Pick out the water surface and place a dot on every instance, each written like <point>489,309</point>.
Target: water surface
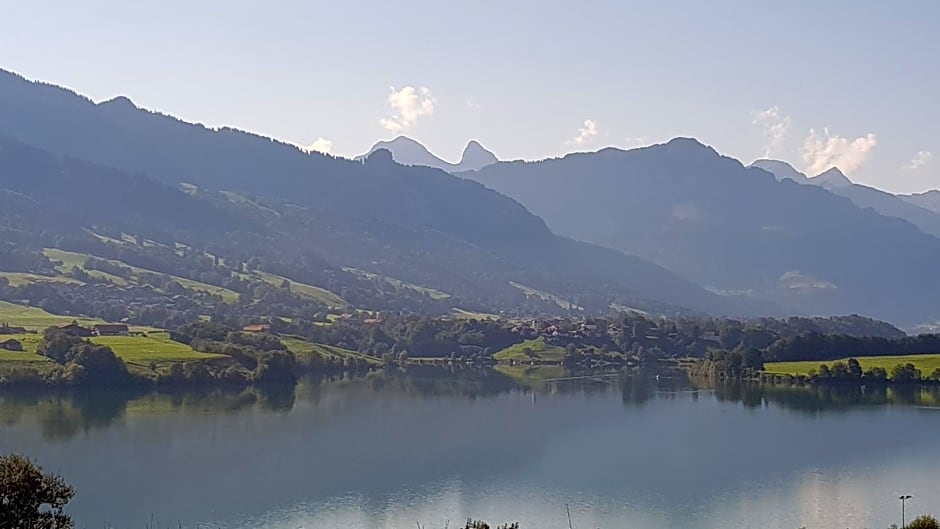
<point>399,449</point>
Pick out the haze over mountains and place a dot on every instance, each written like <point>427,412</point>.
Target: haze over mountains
<point>417,224</point>
<point>902,207</point>
<point>659,223</point>
<point>927,200</point>
<point>734,228</point>
<point>407,151</point>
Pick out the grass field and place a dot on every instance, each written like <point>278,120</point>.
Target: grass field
<point>461,314</point>
<point>546,296</point>
<point>155,347</point>
<point>926,364</point>
<point>18,279</point>
<point>309,291</point>
<point>305,349</point>
<point>21,357</point>
<point>399,284</point>
<point>35,318</point>
<point>540,350</point>
<point>70,259</point>
<point>140,350</point>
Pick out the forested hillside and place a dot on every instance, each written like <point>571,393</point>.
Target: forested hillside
<point>244,199</point>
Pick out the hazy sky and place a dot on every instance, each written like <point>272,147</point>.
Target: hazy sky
<point>817,83</point>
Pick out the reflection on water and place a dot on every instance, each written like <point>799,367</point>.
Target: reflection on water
<point>429,445</point>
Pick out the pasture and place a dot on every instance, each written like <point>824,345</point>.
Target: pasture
<point>538,349</point>
<point>142,350</point>
<point>308,291</point>
<point>304,350</point>
<point>35,318</point>
<point>926,363</point>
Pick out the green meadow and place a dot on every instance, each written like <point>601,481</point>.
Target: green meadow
<point>308,291</point>
<point>35,318</point>
<point>539,349</point>
<point>304,350</point>
<point>926,364</point>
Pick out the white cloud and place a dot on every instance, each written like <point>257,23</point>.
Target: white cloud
<point>585,133</point>
<point>774,129</point>
<point>822,151</point>
<point>407,105</point>
<point>632,142</point>
<point>473,105</point>
<point>920,159</point>
<point>319,145</point>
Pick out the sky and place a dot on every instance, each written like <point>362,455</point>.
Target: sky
<point>847,83</point>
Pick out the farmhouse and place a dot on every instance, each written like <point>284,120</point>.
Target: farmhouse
<point>11,345</point>
<point>110,329</point>
<point>263,327</point>
<point>6,329</point>
<point>75,329</point>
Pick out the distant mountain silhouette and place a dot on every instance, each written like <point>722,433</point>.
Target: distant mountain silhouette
<point>927,200</point>
<point>733,228</point>
<point>407,151</point>
<point>781,170</point>
<point>418,224</point>
<point>863,196</point>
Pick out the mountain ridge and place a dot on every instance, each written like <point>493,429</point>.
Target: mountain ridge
<point>833,180</point>
<point>419,224</point>
<point>732,228</point>
<point>408,151</point>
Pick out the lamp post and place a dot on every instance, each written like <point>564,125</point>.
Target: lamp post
<point>903,498</point>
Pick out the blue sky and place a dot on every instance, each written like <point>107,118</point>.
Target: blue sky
<point>751,78</point>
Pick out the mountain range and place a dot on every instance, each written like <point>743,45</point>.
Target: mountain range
<point>833,180</point>
<point>407,151</point>
<point>739,230</point>
<point>669,229</point>
<point>927,200</point>
<point>284,207</point>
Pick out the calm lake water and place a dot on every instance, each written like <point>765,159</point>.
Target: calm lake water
<point>423,447</point>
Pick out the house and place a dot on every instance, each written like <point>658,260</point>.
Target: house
<point>110,329</point>
<point>74,329</point>
<point>262,327</point>
<point>11,345</point>
<point>372,321</point>
<point>6,329</point>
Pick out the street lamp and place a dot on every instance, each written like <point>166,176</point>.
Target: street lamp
<point>903,498</point>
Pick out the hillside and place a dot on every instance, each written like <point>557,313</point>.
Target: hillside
<point>251,201</point>
<point>734,229</point>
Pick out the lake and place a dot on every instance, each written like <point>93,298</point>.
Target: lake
<point>427,447</point>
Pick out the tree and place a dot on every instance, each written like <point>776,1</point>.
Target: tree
<point>854,369</point>
<point>31,498</point>
<point>276,367</point>
<point>57,345</point>
<point>924,522</point>
<point>905,373</point>
<point>839,370</point>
